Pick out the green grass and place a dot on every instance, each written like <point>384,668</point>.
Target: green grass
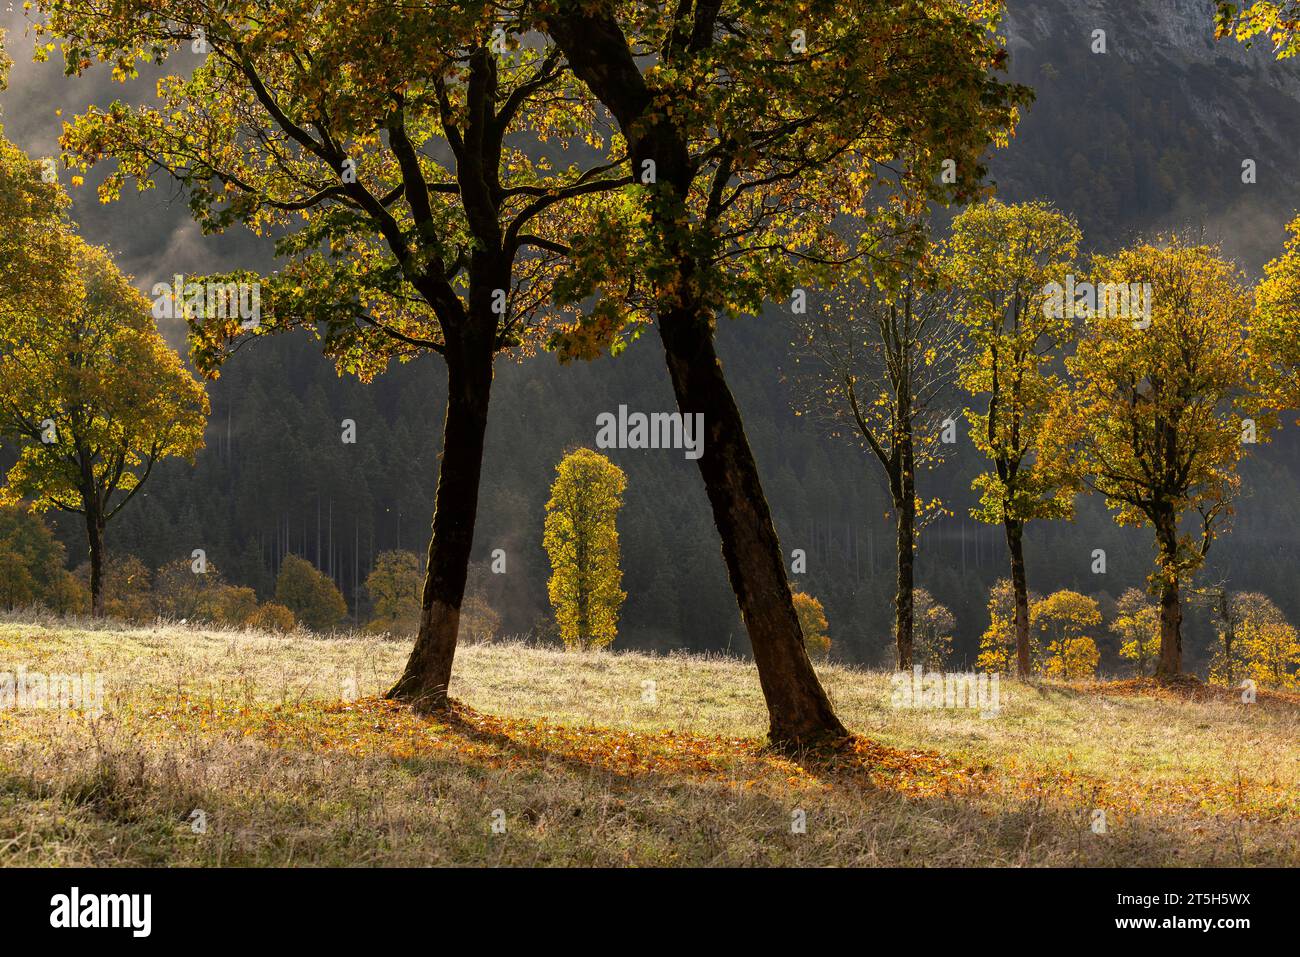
<point>254,731</point>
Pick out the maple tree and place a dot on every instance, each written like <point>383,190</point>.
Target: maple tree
<point>581,539</point>
<point>751,127</point>
<point>1256,642</point>
<point>935,624</point>
<point>873,363</point>
<point>1063,621</point>
<point>394,589</point>
<point>181,592</point>
<point>32,211</point>
<point>1003,259</point>
<point>89,390</point>
<point>310,594</point>
<point>1157,409</point>
<point>1278,20</point>
<point>1137,623</point>
<point>813,624</point>
<point>1274,345</point>
<point>999,643</point>
<point>1272,652</point>
<point>31,559</point>
<point>422,169</point>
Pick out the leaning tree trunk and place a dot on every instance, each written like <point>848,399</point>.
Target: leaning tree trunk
<point>469,387</point>
<point>95,539</point>
<point>599,53</point>
<point>1016,547</point>
<point>799,711</point>
<point>1171,611</point>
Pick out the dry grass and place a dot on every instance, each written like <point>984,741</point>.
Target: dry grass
<point>285,746</point>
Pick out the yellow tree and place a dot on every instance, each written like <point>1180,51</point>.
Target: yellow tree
<point>813,623</point>
<point>1229,662</point>
<point>1006,261</point>
<point>1062,622</point>
<point>581,538</point>
<point>998,645</point>
<point>1274,344</point>
<point>1137,623</point>
<point>1159,407</point>
<point>423,168</point>
<point>180,591</point>
<point>90,391</point>
<point>1272,651</point>
<point>32,212</point>
<point>1266,647</point>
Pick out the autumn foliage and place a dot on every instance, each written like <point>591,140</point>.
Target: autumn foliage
<point>581,538</point>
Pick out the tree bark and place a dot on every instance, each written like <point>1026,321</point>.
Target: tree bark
<point>1016,547</point>
<point>904,607</point>
<point>1229,635</point>
<point>1171,612</point>
<point>799,711</point>
<point>95,539</point>
<point>428,670</point>
<point>1171,636</point>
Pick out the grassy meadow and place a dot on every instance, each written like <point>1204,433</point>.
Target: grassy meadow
<point>241,748</point>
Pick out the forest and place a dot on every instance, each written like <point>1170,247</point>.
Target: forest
<point>822,341</point>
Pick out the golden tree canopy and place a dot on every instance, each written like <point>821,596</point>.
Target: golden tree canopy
<point>90,390</point>
<point>581,538</point>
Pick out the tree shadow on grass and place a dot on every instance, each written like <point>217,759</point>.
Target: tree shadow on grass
<point>867,803</point>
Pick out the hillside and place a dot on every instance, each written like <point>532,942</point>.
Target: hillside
<point>1148,136</point>
<point>606,759</point>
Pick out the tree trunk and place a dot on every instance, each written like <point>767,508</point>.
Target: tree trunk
<point>598,52</point>
<point>469,387</point>
<point>95,539</point>
<point>799,711</point>
<point>1229,636</point>
<point>1171,636</point>
<point>904,609</point>
<point>1016,547</point>
<point>1171,612</point>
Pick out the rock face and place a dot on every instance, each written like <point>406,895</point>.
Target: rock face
<point>1152,134</point>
